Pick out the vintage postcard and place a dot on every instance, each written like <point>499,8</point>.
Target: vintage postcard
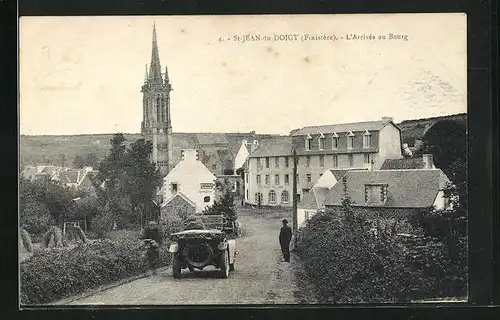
<point>260,159</point>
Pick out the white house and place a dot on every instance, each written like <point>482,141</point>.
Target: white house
<point>244,152</point>
<point>313,201</point>
<point>192,179</point>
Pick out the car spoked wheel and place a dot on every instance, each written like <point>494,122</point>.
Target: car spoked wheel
<point>224,264</point>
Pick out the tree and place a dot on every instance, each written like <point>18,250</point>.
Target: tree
<point>78,162</point>
<point>112,171</point>
<point>142,177</point>
<point>223,206</point>
<point>34,215</point>
<point>130,179</point>
<point>91,159</point>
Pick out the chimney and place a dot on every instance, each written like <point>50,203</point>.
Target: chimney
<point>387,119</point>
<point>189,155</point>
<point>428,161</point>
<point>255,145</point>
<point>407,150</point>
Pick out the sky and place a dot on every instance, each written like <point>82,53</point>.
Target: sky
<point>83,75</point>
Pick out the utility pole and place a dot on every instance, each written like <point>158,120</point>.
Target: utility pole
<point>295,198</point>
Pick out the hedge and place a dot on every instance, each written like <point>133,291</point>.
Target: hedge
<point>349,264</point>
<point>51,275</point>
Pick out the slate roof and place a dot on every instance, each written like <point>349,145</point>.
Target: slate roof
<point>181,195</point>
<point>406,188</point>
<point>342,128</point>
<point>313,199</point>
<point>273,147</point>
<point>308,201</point>
<point>209,143</point>
<point>339,173</point>
<point>409,163</point>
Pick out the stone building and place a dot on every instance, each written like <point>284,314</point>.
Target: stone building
<point>156,125</point>
<point>360,145</point>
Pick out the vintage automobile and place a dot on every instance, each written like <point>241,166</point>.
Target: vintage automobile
<point>199,248</point>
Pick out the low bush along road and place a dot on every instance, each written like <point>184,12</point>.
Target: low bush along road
<point>260,276</point>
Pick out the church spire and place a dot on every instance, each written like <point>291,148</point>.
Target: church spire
<point>166,75</point>
<point>146,74</point>
<point>155,68</point>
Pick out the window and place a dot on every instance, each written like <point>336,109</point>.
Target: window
<point>335,161</point>
<point>375,193</point>
<point>246,178</point>
<point>258,179</point>
<point>174,187</point>
<point>308,176</point>
<point>351,160</point>
<point>276,179</point>
<point>258,197</point>
<point>267,179</point>
<point>366,139</point>
<point>297,178</point>
<point>247,194</point>
<point>267,162</point>
<point>258,163</point>
<point>308,161</point>
<point>272,196</point>
<point>285,197</point>
<point>350,140</point>
<point>321,161</point>
<point>206,199</point>
<point>286,162</point>
<point>335,141</point>
<point>367,158</point>
<point>306,215</point>
<point>214,166</point>
<point>287,179</point>
<point>321,142</point>
<point>158,109</point>
<point>308,142</point>
<point>277,162</point>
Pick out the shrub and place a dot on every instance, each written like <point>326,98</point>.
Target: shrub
<point>54,274</point>
<point>348,264</point>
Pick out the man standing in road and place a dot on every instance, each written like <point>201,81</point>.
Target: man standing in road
<point>285,238</point>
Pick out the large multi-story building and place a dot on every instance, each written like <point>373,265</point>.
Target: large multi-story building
<point>361,145</point>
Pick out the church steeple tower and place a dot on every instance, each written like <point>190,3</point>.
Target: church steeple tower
<point>156,125</point>
<point>155,66</point>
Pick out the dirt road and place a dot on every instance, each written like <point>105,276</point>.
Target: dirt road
<point>260,277</point>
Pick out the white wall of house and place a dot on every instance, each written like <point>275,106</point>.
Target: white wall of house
<point>241,156</point>
<point>191,178</point>
<point>441,202</point>
<point>282,189</point>
<point>389,145</point>
<point>303,215</point>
